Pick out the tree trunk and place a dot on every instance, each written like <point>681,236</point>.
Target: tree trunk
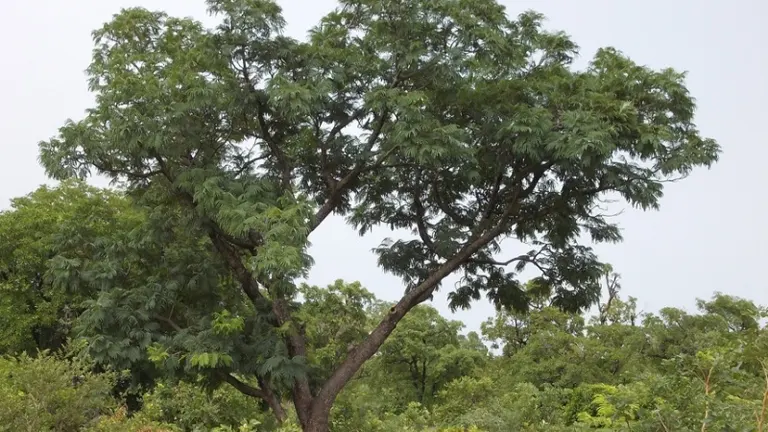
<point>275,405</point>
<point>320,409</point>
<point>264,393</point>
<point>317,423</point>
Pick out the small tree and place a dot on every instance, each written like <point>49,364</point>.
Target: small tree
<point>444,117</point>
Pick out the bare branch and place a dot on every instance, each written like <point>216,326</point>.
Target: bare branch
<point>247,164</point>
<point>242,387</point>
<point>168,321</point>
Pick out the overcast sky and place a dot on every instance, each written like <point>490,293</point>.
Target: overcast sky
<point>710,234</point>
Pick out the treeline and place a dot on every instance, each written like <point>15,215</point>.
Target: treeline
<point>84,353</point>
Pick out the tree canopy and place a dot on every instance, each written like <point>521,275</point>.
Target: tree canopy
<point>446,118</point>
<point>670,371</point>
<point>42,234</point>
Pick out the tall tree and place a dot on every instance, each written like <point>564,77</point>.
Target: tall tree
<point>445,117</point>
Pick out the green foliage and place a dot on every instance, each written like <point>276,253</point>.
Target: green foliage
<point>446,118</point>
<point>709,379</point>
<point>51,393</point>
<point>189,407</point>
<point>426,351</point>
<point>225,324</point>
<point>523,145</point>
<point>120,422</point>
<point>44,233</point>
<point>334,319</point>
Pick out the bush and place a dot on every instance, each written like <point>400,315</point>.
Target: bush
<point>119,422</point>
<point>51,393</point>
<point>192,408</point>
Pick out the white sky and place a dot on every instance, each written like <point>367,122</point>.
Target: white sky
<point>710,234</point>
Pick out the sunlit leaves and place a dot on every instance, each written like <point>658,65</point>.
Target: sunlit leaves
<point>224,323</point>
<point>210,360</point>
<point>156,353</point>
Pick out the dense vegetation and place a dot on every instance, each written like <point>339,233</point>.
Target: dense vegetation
<point>174,300</point>
<point>73,357</point>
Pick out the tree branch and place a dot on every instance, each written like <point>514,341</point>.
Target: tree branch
<point>235,263</point>
<point>302,394</point>
<point>341,186</point>
<point>525,257</point>
<point>325,168</point>
<point>130,174</point>
<point>421,224</point>
<point>445,208</point>
<point>264,393</point>
<point>338,127</point>
<point>168,321</point>
<point>247,164</point>
<point>243,387</point>
<point>274,147</point>
<point>363,351</point>
<point>493,199</point>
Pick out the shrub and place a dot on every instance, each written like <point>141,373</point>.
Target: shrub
<point>51,393</point>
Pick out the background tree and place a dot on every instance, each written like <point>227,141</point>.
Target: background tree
<point>675,370</point>
<point>427,351</point>
<point>511,329</point>
<point>46,230</point>
<point>480,131</point>
<point>335,319</point>
<point>38,394</point>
